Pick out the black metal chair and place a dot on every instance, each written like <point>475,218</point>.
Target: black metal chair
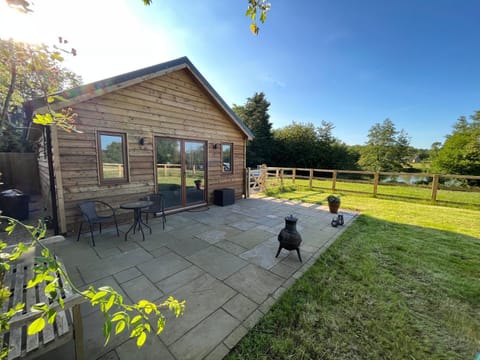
<point>158,207</point>
<point>90,215</point>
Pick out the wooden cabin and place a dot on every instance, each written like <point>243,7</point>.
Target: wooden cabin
<point>158,129</point>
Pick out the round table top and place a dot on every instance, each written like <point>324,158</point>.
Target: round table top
<point>137,204</point>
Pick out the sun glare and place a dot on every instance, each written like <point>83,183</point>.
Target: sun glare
<point>110,36</point>
<point>30,27</point>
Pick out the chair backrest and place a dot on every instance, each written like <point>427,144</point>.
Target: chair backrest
<point>157,200</point>
<point>88,209</point>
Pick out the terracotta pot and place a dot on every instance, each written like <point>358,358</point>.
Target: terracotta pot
<point>333,207</point>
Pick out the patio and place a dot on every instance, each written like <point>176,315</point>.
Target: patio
<point>221,260</point>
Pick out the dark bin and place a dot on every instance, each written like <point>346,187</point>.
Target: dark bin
<point>14,203</point>
<point>223,197</point>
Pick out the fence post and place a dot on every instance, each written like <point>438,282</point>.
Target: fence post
<point>376,178</point>
<point>281,177</point>
<point>435,187</point>
<point>247,183</point>
<point>263,178</point>
<point>294,171</point>
<point>310,178</point>
<point>334,180</point>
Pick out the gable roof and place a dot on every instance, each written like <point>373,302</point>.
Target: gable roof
<point>101,87</point>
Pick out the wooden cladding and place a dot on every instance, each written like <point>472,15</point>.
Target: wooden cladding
<point>171,106</point>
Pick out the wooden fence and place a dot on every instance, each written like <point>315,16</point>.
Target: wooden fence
<point>337,180</point>
<point>19,171</point>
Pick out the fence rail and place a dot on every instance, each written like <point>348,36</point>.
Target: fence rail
<point>424,186</point>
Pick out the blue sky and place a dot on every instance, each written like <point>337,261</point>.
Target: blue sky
<point>353,63</point>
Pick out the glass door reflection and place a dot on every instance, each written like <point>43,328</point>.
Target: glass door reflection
<point>169,171</point>
<point>194,172</point>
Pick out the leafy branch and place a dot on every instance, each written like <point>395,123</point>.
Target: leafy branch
<point>254,7</point>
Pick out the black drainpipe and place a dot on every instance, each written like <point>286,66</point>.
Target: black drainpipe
<point>51,177</point>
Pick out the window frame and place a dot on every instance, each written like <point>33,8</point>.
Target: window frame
<point>102,179</point>
<point>231,158</point>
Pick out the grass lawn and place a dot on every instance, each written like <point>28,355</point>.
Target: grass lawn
<point>423,194</point>
<point>402,282</point>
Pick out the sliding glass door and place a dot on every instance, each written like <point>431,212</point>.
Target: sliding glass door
<point>194,172</point>
<point>180,170</point>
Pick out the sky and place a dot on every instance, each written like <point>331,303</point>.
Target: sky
<point>349,62</point>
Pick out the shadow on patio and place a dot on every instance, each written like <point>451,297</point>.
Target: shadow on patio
<point>221,260</point>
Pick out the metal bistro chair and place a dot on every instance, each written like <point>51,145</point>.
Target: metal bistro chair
<point>157,207</point>
<point>89,214</point>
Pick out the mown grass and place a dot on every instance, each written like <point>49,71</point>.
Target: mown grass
<point>423,194</point>
<point>402,282</point>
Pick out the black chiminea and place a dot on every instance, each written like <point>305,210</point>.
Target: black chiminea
<point>289,237</point>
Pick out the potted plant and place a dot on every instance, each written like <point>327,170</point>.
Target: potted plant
<point>333,203</point>
<point>198,183</point>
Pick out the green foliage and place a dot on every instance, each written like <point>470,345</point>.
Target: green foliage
<point>64,119</point>
<point>255,7</point>
<point>332,199</point>
<point>306,146</point>
<point>134,317</point>
<point>255,115</point>
<point>113,153</point>
<point>28,72</point>
<point>386,150</point>
<point>460,154</point>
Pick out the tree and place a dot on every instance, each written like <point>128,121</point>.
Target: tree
<point>113,153</point>
<point>297,145</point>
<point>386,149</point>
<point>255,115</point>
<point>27,72</point>
<point>460,154</point>
<point>257,9</point>
<point>307,146</point>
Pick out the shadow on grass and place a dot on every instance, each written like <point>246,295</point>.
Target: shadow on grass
<point>383,290</point>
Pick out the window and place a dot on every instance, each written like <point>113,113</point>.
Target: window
<point>227,157</point>
<point>112,157</point>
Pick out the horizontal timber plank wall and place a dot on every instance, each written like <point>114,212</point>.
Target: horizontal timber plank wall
<point>173,105</point>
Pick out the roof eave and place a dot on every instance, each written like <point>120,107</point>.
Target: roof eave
<point>92,90</point>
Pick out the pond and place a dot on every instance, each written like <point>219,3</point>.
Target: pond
<point>407,179</point>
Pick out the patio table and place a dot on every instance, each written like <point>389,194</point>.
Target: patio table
<point>137,207</point>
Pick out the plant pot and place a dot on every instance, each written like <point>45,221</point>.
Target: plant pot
<point>333,207</point>
<point>198,183</point>
<point>333,203</point>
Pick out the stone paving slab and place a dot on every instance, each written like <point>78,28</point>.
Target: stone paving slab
<point>217,262</point>
<point>204,337</point>
<point>255,282</point>
<point>163,266</point>
<point>203,296</point>
<point>221,260</point>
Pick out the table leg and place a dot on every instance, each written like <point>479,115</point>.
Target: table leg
<point>131,227</point>
<point>140,222</point>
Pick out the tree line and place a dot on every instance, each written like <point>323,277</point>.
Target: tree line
<point>304,145</point>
